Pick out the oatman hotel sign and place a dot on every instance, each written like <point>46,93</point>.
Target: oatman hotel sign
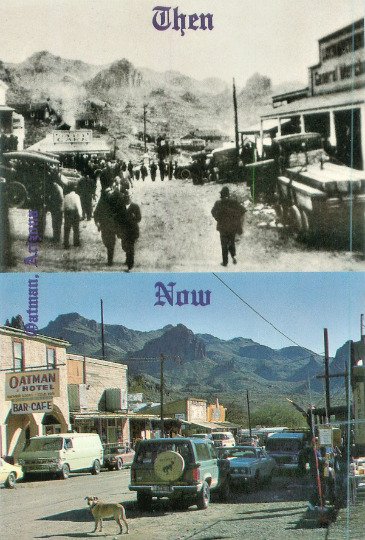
<point>32,392</point>
<point>341,61</point>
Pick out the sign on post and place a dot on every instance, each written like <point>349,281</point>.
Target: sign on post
<point>325,436</point>
<point>32,385</point>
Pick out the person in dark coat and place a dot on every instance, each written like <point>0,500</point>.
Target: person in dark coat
<point>144,172</point>
<point>228,214</point>
<point>130,229</point>
<point>55,206</point>
<point>86,189</point>
<point>130,169</point>
<point>153,170</point>
<point>72,214</point>
<point>162,167</point>
<point>109,217</point>
<point>170,169</point>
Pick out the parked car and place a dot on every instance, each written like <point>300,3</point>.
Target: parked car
<point>248,466</point>
<point>316,196</point>
<point>116,457</point>
<point>287,449</point>
<point>62,453</point>
<point>223,438</point>
<point>202,436</point>
<point>185,470</point>
<point>9,474</point>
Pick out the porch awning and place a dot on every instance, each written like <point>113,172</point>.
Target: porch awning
<point>323,102</point>
<point>109,415</point>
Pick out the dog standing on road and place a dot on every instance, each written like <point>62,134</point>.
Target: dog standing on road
<point>101,510</point>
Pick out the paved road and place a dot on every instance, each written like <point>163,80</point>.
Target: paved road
<point>56,509</point>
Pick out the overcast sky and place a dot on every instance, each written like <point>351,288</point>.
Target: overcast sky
<point>277,38</point>
<point>301,305</point>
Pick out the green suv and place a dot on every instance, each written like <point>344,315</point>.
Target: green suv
<point>182,469</point>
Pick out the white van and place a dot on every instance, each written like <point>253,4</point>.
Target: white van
<point>62,453</point>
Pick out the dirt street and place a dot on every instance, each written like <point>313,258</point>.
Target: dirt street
<point>179,234</point>
<point>57,509</point>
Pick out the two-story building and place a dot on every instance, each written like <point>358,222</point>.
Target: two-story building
<point>333,102</point>
<point>44,390</point>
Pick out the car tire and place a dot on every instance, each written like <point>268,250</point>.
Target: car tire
<point>257,480</point>
<point>144,501</point>
<point>185,174</point>
<point>96,467</point>
<point>65,472</point>
<point>269,478</point>
<point>203,497</point>
<point>17,194</point>
<point>119,464</point>
<point>11,481</point>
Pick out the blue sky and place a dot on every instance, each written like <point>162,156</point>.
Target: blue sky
<point>299,304</point>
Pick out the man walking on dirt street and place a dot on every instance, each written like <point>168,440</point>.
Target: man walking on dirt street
<point>144,172</point>
<point>130,229</point>
<point>228,214</point>
<point>72,215</point>
<point>109,217</point>
<point>86,189</point>
<point>153,170</point>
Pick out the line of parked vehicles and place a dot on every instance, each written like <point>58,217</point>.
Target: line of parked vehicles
<point>186,470</point>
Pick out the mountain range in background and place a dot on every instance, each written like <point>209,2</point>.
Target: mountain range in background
<point>176,103</point>
<point>200,364</point>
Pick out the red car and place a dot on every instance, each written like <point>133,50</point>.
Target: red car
<point>116,457</point>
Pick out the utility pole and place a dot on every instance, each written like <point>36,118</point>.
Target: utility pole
<point>162,358</point>
<point>162,423</point>
<point>144,126</point>
<point>102,330</point>
<point>248,413</point>
<point>327,375</point>
<point>235,118</point>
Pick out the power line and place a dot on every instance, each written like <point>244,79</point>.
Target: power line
<point>261,316</point>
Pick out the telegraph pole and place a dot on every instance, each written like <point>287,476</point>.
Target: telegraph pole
<point>327,375</point>
<point>162,358</point>
<point>102,330</point>
<point>144,126</point>
<point>248,413</point>
<point>235,117</point>
<point>162,424</point>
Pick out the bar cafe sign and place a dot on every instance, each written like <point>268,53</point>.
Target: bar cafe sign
<point>41,385</point>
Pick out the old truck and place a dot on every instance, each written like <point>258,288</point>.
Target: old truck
<point>314,196</point>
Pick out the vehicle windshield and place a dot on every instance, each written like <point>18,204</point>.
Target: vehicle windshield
<point>44,444</point>
<point>220,436</point>
<point>241,453</point>
<point>283,445</point>
<point>147,453</point>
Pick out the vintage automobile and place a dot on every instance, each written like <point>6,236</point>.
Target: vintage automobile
<point>116,457</point>
<point>315,197</point>
<point>181,469</point>
<point>29,177</point>
<point>248,466</point>
<point>9,474</point>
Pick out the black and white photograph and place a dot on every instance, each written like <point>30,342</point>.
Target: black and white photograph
<point>141,138</point>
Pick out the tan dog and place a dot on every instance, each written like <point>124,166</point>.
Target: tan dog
<point>101,510</point>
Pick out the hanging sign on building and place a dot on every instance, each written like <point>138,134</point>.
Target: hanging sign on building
<point>31,407</point>
<point>32,385</point>
<point>66,136</point>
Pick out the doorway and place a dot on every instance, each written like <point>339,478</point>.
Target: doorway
<point>348,135</point>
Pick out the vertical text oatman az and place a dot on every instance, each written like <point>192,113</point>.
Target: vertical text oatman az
<point>31,327</point>
<point>165,17</point>
<point>168,294</point>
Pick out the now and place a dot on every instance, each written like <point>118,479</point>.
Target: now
<point>180,298</point>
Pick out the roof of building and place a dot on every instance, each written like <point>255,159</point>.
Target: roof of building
<point>357,25</point>
<point>16,332</point>
<point>270,125</point>
<point>321,102</point>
